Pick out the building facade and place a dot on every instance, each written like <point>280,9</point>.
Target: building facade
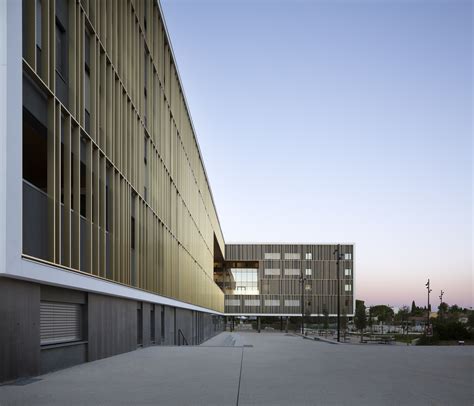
<point>109,236</point>
<point>287,279</point>
<point>109,231</point>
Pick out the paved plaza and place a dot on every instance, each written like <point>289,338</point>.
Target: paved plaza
<point>260,369</point>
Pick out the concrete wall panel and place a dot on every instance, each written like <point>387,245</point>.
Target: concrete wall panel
<point>19,329</point>
<point>112,326</point>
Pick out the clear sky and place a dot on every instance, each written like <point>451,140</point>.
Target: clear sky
<point>340,121</point>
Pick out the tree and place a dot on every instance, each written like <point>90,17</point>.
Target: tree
<point>443,310</point>
<point>417,311</point>
<point>325,320</point>
<point>454,309</point>
<point>402,317</point>
<point>383,313</point>
<point>470,319</point>
<point>370,322</point>
<point>360,319</point>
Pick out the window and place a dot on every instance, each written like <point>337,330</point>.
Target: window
<point>132,232</point>
<point>35,173</point>
<point>348,272</point>
<point>245,281</point>
<point>348,256</point>
<point>145,82</point>
<point>145,160</point>
<point>292,255</point>
<point>292,303</point>
<point>272,302</point>
<point>348,288</point>
<point>309,272</point>
<point>39,37</point>
<point>272,271</point>
<point>87,80</point>
<point>309,256</point>
<point>61,50</point>
<point>232,302</point>
<point>292,272</point>
<point>272,255</point>
<point>60,322</point>
<point>252,302</point>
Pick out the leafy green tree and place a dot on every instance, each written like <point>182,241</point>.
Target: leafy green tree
<point>417,311</point>
<point>360,319</point>
<point>370,320</point>
<point>455,309</point>
<point>443,310</point>
<point>402,317</point>
<point>383,313</point>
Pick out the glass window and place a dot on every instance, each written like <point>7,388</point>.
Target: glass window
<point>292,303</point>
<point>272,255</point>
<point>87,92</point>
<point>292,255</point>
<point>39,25</point>
<point>348,288</point>
<point>292,272</point>
<point>39,38</point>
<point>272,302</point>
<point>61,51</point>
<point>348,256</point>
<point>348,272</point>
<point>272,271</point>
<point>245,281</point>
<point>309,255</point>
<point>309,272</point>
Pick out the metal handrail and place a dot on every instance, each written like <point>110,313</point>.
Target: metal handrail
<point>180,334</point>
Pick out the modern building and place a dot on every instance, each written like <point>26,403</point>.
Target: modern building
<point>109,231</point>
<point>287,279</point>
<point>109,236</point>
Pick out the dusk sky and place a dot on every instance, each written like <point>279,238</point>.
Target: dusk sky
<point>339,121</point>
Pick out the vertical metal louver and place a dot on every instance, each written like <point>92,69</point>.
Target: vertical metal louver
<point>60,322</point>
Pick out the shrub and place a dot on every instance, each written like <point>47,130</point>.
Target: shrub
<point>427,340</point>
<point>451,330</point>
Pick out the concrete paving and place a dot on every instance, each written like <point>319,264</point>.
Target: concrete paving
<point>261,369</point>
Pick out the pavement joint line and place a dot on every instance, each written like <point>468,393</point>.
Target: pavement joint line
<point>240,376</point>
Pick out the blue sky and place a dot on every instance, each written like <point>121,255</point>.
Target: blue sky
<point>339,121</point>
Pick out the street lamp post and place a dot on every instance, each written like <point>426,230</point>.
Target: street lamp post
<point>339,256</point>
<point>303,282</point>
<point>428,310</point>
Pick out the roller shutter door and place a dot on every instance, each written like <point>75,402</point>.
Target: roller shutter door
<point>60,322</point>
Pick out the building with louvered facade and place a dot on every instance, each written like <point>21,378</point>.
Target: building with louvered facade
<point>109,235</point>
<point>287,279</point>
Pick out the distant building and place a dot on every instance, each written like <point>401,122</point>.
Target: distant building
<point>267,279</point>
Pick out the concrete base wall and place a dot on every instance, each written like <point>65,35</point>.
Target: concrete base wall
<point>111,326</point>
